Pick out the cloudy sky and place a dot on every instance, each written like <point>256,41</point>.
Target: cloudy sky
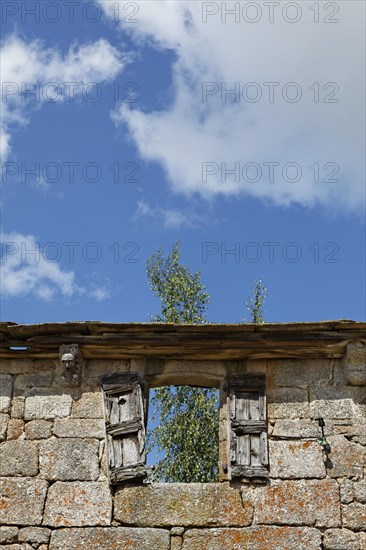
<point>237,127</point>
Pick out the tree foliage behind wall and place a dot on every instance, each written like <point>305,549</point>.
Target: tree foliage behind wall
<point>188,426</point>
<point>182,294</point>
<point>255,303</point>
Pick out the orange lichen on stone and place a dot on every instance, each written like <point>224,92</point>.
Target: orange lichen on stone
<point>183,504</point>
<point>308,503</point>
<point>252,538</point>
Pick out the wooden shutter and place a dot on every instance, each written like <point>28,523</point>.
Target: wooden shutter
<point>248,427</point>
<point>125,406</point>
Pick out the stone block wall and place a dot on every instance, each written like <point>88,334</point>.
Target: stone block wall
<point>54,482</point>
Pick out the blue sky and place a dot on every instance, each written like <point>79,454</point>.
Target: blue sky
<point>151,147</point>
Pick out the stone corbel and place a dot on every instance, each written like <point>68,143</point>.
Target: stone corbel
<point>71,362</point>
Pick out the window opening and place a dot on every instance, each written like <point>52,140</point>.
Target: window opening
<point>183,434</point>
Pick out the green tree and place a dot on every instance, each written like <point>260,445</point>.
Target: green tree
<point>183,297</point>
<point>187,431</point>
<point>255,304</point>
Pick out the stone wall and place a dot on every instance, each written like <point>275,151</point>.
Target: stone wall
<point>55,490</point>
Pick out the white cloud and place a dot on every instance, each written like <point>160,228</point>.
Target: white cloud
<point>175,219</point>
<point>168,218</point>
<point>143,209</point>
<point>192,132</point>
<point>27,66</point>
<point>26,271</point>
<point>100,293</point>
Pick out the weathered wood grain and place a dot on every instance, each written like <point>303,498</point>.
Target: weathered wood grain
<point>248,430</point>
<point>98,340</point>
<point>125,418</point>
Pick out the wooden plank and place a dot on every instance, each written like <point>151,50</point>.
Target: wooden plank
<point>142,411</point>
<point>255,450</point>
<point>110,453</point>
<point>186,352</point>
<point>241,406</point>
<point>232,405</point>
<point>194,333</point>
<point>106,406</point>
<point>243,450</point>
<point>141,438</point>
<point>254,407</point>
<point>136,408</point>
<point>117,388</point>
<point>126,407</point>
<point>233,448</point>
<point>130,451</point>
<point>264,448</point>
<point>127,474</point>
<point>113,410</point>
<point>243,472</point>
<point>262,403</point>
<point>124,428</point>
<point>100,327</point>
<point>116,340</point>
<point>117,445</point>
<point>248,426</point>
<point>223,351</point>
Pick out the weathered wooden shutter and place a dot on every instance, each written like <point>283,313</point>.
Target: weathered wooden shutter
<point>125,406</point>
<point>248,427</point>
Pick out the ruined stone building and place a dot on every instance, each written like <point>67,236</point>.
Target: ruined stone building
<point>292,464</point>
